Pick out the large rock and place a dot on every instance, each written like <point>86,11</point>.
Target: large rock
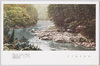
<point>41,35</point>
<point>67,39</point>
<point>74,39</point>
<point>47,34</point>
<point>58,39</point>
<point>32,30</point>
<point>45,38</point>
<point>67,34</point>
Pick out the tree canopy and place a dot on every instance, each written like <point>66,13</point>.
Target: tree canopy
<point>70,16</point>
<point>20,15</point>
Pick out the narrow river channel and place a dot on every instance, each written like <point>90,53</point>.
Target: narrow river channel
<point>45,45</point>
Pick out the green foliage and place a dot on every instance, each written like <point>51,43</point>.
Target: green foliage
<point>6,24</point>
<point>70,16</point>
<point>18,15</point>
<point>90,30</point>
<point>32,12</point>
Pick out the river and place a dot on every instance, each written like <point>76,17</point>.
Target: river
<point>45,45</point>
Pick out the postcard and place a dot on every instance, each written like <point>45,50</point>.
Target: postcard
<point>50,33</point>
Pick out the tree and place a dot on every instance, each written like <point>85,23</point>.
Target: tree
<point>21,15</point>
<point>70,16</point>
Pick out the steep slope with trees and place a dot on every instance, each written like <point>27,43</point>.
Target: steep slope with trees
<point>70,16</point>
<point>18,15</point>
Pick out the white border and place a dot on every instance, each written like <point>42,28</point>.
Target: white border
<point>52,57</point>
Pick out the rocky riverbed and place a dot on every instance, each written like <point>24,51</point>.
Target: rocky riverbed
<point>65,37</point>
<point>46,37</point>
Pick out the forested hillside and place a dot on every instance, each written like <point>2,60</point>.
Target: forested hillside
<point>73,16</point>
<point>18,16</point>
<point>49,27</point>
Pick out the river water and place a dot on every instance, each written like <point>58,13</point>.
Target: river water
<point>45,45</point>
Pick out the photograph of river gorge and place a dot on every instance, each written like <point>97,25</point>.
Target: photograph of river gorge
<point>49,27</point>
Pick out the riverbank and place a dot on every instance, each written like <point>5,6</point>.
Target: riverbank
<point>64,37</point>
<point>19,27</point>
<point>22,47</point>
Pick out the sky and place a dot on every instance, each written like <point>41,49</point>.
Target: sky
<point>42,10</point>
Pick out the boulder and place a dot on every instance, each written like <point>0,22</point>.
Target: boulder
<point>41,35</point>
<point>32,30</point>
<point>45,38</point>
<point>59,40</point>
<point>66,38</point>
<point>87,45</point>
<point>47,34</point>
